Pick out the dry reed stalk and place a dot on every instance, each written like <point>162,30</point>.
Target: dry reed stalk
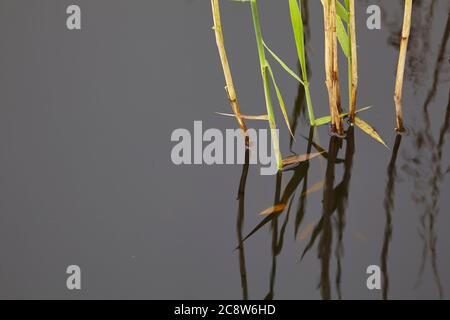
<point>232,97</point>
<point>354,66</point>
<point>331,65</point>
<point>401,65</point>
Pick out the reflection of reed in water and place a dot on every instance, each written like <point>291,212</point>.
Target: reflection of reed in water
<point>389,207</point>
<point>240,225</point>
<point>420,38</point>
<point>437,72</point>
<point>342,194</point>
<point>421,28</point>
<point>275,240</point>
<point>283,200</point>
<point>335,199</point>
<point>428,180</point>
<point>325,243</point>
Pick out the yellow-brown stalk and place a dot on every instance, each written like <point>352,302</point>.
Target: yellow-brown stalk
<point>401,65</point>
<point>331,65</point>
<point>354,59</point>
<point>232,97</point>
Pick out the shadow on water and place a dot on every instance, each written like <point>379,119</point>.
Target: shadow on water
<point>389,207</point>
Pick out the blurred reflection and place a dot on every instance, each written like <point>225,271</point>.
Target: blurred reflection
<point>389,196</point>
<point>283,201</point>
<point>341,195</point>
<point>335,199</point>
<point>276,242</point>
<point>240,225</point>
<point>428,178</point>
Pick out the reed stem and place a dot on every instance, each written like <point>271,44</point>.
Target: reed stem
<point>401,65</point>
<point>354,61</point>
<point>264,66</point>
<point>331,66</point>
<point>231,92</point>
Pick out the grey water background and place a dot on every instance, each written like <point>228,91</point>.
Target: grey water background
<point>86,175</point>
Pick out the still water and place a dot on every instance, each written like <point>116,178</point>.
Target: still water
<point>87,178</point>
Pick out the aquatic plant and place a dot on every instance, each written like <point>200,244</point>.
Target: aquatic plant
<point>335,15</point>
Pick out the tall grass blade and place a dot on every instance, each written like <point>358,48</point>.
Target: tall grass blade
<point>298,29</point>
<point>342,12</point>
<point>343,37</point>
<point>266,86</point>
<point>280,101</point>
<point>283,65</point>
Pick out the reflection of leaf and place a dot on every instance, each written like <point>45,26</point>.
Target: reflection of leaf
<point>301,158</point>
<point>275,209</point>
<point>314,236</point>
<point>306,232</point>
<point>259,226</point>
<point>283,227</point>
<point>316,187</point>
<point>367,128</point>
<point>327,119</point>
<point>262,117</point>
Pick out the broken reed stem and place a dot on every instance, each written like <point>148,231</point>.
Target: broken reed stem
<point>354,61</point>
<point>331,66</point>
<point>401,65</point>
<point>231,92</point>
